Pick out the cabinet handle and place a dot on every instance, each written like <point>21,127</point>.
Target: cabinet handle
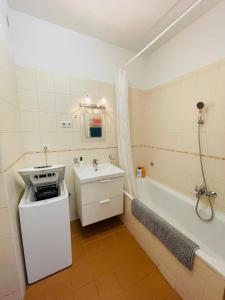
<point>104,201</point>
<point>104,180</point>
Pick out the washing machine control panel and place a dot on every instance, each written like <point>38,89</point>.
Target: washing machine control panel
<point>44,178</point>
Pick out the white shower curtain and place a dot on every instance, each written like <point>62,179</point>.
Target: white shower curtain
<point>123,132</point>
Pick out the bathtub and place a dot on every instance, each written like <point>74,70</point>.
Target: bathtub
<point>179,211</point>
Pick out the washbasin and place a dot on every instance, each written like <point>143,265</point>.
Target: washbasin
<point>105,170</point>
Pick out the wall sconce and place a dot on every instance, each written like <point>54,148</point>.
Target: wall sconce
<point>87,104</point>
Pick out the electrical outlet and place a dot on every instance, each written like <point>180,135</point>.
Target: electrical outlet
<point>66,124</point>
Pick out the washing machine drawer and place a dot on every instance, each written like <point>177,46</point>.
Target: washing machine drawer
<point>101,210</point>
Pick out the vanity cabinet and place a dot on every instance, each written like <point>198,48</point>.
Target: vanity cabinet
<point>99,194</point>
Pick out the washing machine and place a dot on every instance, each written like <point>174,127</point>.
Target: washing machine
<point>45,221</point>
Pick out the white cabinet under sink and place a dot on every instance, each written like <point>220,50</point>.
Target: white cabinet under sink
<point>99,194</point>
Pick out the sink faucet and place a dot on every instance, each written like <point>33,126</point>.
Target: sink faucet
<point>95,164</point>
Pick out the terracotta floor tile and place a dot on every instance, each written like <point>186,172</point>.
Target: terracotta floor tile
<point>109,241</point>
<point>60,292</point>
<point>116,224</point>
<point>108,286</point>
<point>62,277</point>
<point>103,228</point>
<point>81,275</point>
<point>108,264</point>
<point>152,287</point>
<point>173,296</point>
<point>129,274</point>
<point>78,253</point>
<point>93,248</point>
<point>36,291</point>
<point>88,292</point>
<point>89,233</point>
<point>99,265</point>
<point>76,227</point>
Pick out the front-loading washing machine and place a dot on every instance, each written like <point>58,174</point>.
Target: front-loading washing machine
<point>45,221</point>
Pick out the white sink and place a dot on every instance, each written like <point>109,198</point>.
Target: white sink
<point>104,171</point>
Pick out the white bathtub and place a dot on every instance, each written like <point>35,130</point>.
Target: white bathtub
<point>179,210</point>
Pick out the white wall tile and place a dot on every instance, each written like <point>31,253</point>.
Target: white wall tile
<point>64,140</point>
<point>13,296</point>
<point>63,103</point>
<point>30,121</point>
<point>50,138</point>
<point>26,78</point>
<point>28,100</point>
<point>45,81</point>
<point>8,274</point>
<point>47,121</point>
<point>32,141</point>
<point>46,102</point>
<point>77,86</point>
<point>5,231</point>
<point>61,83</point>
<point>2,192</point>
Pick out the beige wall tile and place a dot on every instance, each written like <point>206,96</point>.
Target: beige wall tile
<point>32,141</point>
<point>2,192</point>
<point>64,140</point>
<point>9,117</point>
<point>30,121</point>
<point>48,121</point>
<point>61,83</point>
<point>63,103</point>
<point>214,287</point>
<point>46,102</point>
<point>28,100</point>
<point>49,138</point>
<point>77,86</point>
<point>5,231</point>
<point>45,81</point>
<point>8,274</point>
<point>26,78</point>
<point>9,152</point>
<point>12,296</point>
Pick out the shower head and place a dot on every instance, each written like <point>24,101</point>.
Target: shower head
<point>200,105</point>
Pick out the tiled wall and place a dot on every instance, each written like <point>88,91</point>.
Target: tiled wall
<point>12,279</point>
<point>46,99</point>
<point>168,131</point>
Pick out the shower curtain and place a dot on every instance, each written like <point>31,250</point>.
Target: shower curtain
<point>123,132</point>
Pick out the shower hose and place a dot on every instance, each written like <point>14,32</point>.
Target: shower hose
<point>204,180</point>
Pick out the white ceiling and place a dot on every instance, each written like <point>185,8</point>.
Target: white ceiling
<point>129,24</point>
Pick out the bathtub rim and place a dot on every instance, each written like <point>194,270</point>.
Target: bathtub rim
<point>218,266</point>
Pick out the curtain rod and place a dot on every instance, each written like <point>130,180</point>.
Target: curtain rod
<point>178,19</point>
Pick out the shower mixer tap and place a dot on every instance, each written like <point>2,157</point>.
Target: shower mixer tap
<point>200,190</point>
<point>211,194</point>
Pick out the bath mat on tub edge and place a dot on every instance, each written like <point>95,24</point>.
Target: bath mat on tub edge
<point>180,245</point>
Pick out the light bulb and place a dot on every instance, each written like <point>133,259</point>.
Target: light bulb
<point>103,101</point>
<point>87,99</point>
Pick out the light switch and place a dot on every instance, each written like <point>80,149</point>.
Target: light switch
<point>66,124</point>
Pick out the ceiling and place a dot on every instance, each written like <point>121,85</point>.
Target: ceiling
<point>129,24</point>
